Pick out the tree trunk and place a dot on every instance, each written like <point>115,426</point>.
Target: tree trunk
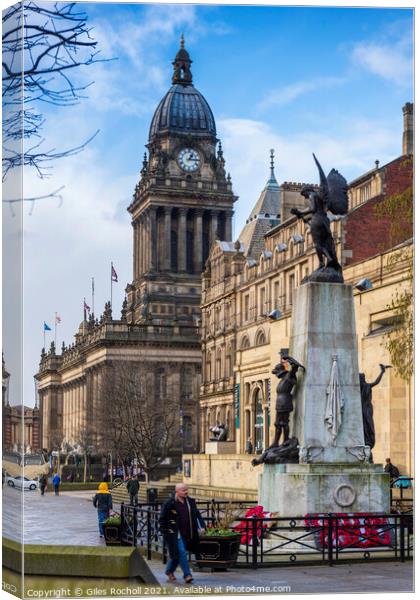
<point>85,469</point>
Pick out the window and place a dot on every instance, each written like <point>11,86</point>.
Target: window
<point>291,287</point>
<point>276,294</point>
<point>245,342</point>
<point>161,383</point>
<point>218,365</point>
<point>187,431</point>
<point>246,308</point>
<point>229,361</point>
<point>260,338</point>
<point>262,301</point>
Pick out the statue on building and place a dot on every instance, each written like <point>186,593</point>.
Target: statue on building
<point>330,196</point>
<point>367,406</point>
<point>286,371</point>
<point>220,432</point>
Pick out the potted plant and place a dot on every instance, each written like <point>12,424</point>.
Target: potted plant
<point>219,545</point>
<point>112,530</point>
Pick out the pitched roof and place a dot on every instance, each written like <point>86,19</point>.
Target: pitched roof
<point>264,216</point>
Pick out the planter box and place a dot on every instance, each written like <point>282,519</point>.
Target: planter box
<point>112,535</point>
<point>218,551</point>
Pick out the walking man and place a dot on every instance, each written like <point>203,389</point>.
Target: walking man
<point>133,489</point>
<point>56,483</point>
<point>42,484</point>
<point>179,522</point>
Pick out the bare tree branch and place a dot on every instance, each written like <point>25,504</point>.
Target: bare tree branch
<point>42,47</point>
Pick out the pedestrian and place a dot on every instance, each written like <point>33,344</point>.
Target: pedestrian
<point>42,484</point>
<point>180,522</point>
<point>103,502</point>
<point>56,483</point>
<point>393,471</point>
<point>133,489</point>
<point>249,446</point>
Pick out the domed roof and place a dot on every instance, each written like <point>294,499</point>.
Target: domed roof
<point>183,109</point>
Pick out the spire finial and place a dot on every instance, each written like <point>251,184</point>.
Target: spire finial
<point>272,162</point>
<point>182,63</point>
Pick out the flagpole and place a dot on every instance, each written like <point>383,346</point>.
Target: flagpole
<point>111,283</point>
<point>93,295</point>
<point>44,335</point>
<point>55,329</point>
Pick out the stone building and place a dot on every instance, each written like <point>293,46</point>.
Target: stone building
<point>21,424</point>
<point>246,309</point>
<point>182,203</point>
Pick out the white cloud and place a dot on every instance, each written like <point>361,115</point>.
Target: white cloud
<point>392,62</point>
<point>352,149</point>
<point>289,93</point>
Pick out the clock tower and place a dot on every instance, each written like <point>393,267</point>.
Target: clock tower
<point>182,203</point>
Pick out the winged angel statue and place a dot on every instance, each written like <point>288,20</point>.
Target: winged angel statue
<point>331,196</point>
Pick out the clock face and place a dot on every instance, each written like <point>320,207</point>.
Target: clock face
<point>189,159</point>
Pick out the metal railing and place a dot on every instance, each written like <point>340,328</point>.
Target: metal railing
<point>401,492</point>
<point>281,541</point>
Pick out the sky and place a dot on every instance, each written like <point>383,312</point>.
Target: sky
<point>328,80</point>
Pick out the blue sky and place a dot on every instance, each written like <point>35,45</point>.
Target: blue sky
<point>297,79</point>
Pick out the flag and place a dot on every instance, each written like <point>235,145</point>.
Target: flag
<point>46,327</point>
<point>85,306</point>
<point>57,318</point>
<point>114,276</point>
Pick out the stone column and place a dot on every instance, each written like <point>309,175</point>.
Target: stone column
<point>167,239</point>
<point>143,243</point>
<point>228,225</point>
<point>182,239</point>
<point>153,238</point>
<point>213,225</point>
<point>135,250</point>
<point>198,241</point>
<point>138,249</point>
<point>146,242</point>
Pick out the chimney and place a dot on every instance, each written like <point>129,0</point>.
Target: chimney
<point>407,147</point>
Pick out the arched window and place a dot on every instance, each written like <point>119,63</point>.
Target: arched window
<point>245,342</point>
<point>260,338</point>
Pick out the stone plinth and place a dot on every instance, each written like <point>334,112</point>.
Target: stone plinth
<point>220,447</point>
<point>323,330</point>
<point>295,490</point>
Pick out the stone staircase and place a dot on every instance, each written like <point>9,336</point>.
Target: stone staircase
<point>164,490</point>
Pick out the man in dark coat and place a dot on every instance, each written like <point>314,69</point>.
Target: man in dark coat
<point>42,484</point>
<point>180,522</point>
<point>133,489</point>
<point>393,471</point>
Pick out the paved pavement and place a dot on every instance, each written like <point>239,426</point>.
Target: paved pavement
<point>71,519</point>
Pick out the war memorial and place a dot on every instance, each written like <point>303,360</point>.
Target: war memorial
<point>239,369</point>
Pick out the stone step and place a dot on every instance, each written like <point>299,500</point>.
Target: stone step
<point>164,490</point>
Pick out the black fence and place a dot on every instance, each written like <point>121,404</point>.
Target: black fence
<point>280,541</point>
